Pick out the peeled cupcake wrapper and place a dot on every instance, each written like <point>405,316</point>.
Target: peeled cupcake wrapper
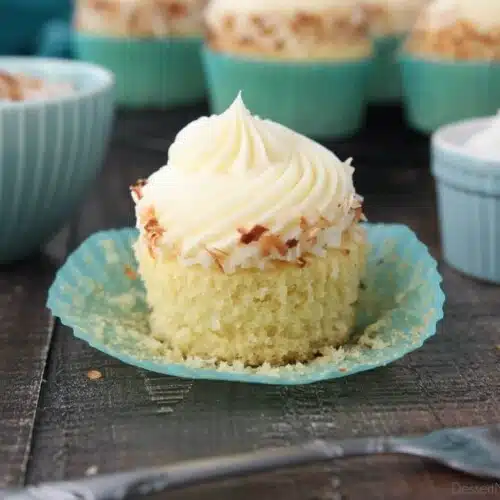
<point>149,72</point>
<point>99,294</point>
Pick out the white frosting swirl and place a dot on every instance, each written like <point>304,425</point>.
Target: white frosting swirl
<point>236,171</point>
<point>486,143</point>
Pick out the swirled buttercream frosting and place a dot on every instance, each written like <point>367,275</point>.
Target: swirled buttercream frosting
<point>241,192</point>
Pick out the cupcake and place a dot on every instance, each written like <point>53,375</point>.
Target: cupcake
<point>451,63</point>
<point>389,21</point>
<point>152,46</point>
<point>466,165</point>
<point>301,63</point>
<point>250,246</point>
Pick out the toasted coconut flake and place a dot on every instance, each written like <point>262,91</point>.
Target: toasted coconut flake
<point>323,223</point>
<point>304,224</point>
<point>216,257</point>
<point>312,235</point>
<point>12,86</point>
<point>292,243</point>
<point>228,22</point>
<point>130,273</point>
<point>253,235</point>
<point>177,10</point>
<point>152,225</point>
<point>136,189</point>
<point>269,242</point>
<point>152,230</point>
<point>302,262</point>
<point>219,251</point>
<point>358,214</point>
<point>147,214</point>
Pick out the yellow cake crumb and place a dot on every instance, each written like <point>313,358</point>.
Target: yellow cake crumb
<point>279,316</point>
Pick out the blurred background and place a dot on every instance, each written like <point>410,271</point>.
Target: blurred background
<point>369,79</point>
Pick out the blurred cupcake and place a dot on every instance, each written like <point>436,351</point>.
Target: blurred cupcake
<point>152,46</point>
<point>466,165</point>
<point>451,63</point>
<point>302,63</point>
<point>250,245</point>
<point>389,21</point>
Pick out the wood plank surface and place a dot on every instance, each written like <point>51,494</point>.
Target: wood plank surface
<point>25,333</point>
<point>131,418</point>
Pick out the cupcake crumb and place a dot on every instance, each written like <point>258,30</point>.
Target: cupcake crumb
<point>94,374</point>
<point>92,471</point>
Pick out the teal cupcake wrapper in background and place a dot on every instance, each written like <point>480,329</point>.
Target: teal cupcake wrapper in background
<point>468,191</point>
<point>98,295</point>
<point>319,99</point>
<point>50,151</point>
<point>150,73</point>
<point>385,85</point>
<point>437,93</point>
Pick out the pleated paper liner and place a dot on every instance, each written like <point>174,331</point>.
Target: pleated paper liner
<point>157,73</point>
<point>98,294</point>
<point>438,92</point>
<point>318,99</point>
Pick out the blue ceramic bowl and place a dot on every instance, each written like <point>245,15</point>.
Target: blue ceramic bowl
<point>468,189</point>
<point>22,23</point>
<point>438,93</point>
<point>50,151</point>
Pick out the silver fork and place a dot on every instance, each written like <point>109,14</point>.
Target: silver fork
<point>472,450</point>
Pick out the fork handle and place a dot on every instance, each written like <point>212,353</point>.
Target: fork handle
<point>120,486</point>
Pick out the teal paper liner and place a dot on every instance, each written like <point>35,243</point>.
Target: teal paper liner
<point>319,99</point>
<point>150,73</point>
<point>438,93</point>
<point>95,293</point>
<point>385,77</point>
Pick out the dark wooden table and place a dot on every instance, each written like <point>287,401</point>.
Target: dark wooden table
<point>57,423</point>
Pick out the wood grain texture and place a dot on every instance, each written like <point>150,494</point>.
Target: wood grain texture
<point>25,332</point>
<point>130,417</point>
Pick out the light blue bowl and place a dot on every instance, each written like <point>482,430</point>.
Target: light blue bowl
<point>150,73</point>
<point>438,93</point>
<point>468,189</point>
<point>318,99</point>
<point>50,151</point>
<point>98,294</point>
